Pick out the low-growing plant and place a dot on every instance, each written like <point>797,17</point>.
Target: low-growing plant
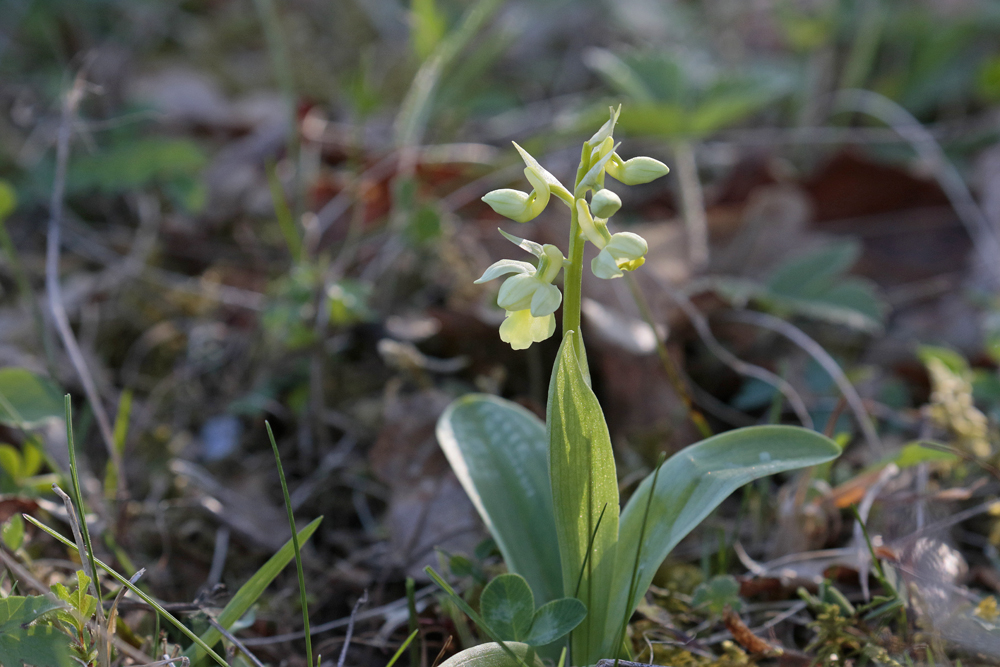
<point>548,492</point>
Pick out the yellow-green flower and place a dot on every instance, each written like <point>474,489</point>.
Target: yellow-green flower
<point>521,328</point>
<point>624,252</point>
<point>620,252</point>
<point>528,296</point>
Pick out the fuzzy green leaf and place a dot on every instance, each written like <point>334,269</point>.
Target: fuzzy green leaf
<point>498,452</point>
<point>584,484</point>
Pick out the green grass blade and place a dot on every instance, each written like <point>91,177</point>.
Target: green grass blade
<point>399,651</point>
<point>286,221</point>
<point>295,545</point>
<point>584,484</point>
<point>81,511</point>
<point>250,591</point>
<point>138,591</point>
<point>411,605</point>
<point>122,420</point>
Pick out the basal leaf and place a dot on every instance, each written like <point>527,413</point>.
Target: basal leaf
<point>584,484</point>
<point>498,451</point>
<point>555,620</point>
<point>508,607</point>
<point>690,485</point>
<point>27,399</point>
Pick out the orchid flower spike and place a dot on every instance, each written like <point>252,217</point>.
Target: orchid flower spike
<point>522,206</point>
<point>528,296</point>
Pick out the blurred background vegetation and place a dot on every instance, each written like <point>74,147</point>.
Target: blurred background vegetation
<point>271,211</point>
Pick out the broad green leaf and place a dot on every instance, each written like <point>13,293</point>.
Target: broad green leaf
<point>691,484</point>
<point>555,620</point>
<point>498,452</point>
<point>21,643</point>
<point>508,607</point>
<point>491,655</point>
<point>810,274</point>
<point>10,461</point>
<point>12,532</point>
<point>815,286</point>
<point>915,453</point>
<point>17,611</point>
<point>866,317</point>
<point>584,483</point>
<point>35,645</point>
<point>251,590</point>
<point>31,398</point>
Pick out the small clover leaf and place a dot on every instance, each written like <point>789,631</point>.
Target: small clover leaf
<point>508,608</point>
<point>717,594</point>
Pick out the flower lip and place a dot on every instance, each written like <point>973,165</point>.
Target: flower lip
<point>521,328</point>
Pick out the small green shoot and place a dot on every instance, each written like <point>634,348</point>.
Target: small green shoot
<point>399,651</point>
<point>138,591</point>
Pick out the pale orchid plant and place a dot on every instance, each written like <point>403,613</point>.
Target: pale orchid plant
<point>548,492</point>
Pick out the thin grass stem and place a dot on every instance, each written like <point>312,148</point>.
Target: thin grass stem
<point>295,545</point>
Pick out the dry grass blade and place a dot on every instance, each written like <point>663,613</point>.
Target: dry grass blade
<point>823,358</point>
<point>235,641</point>
<point>728,358</point>
<point>985,236</point>
<point>350,628</point>
<point>53,288</point>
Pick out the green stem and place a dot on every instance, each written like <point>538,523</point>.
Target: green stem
<point>573,288</point>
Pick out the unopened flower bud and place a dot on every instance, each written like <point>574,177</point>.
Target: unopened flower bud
<point>605,204</point>
<point>636,171</point>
